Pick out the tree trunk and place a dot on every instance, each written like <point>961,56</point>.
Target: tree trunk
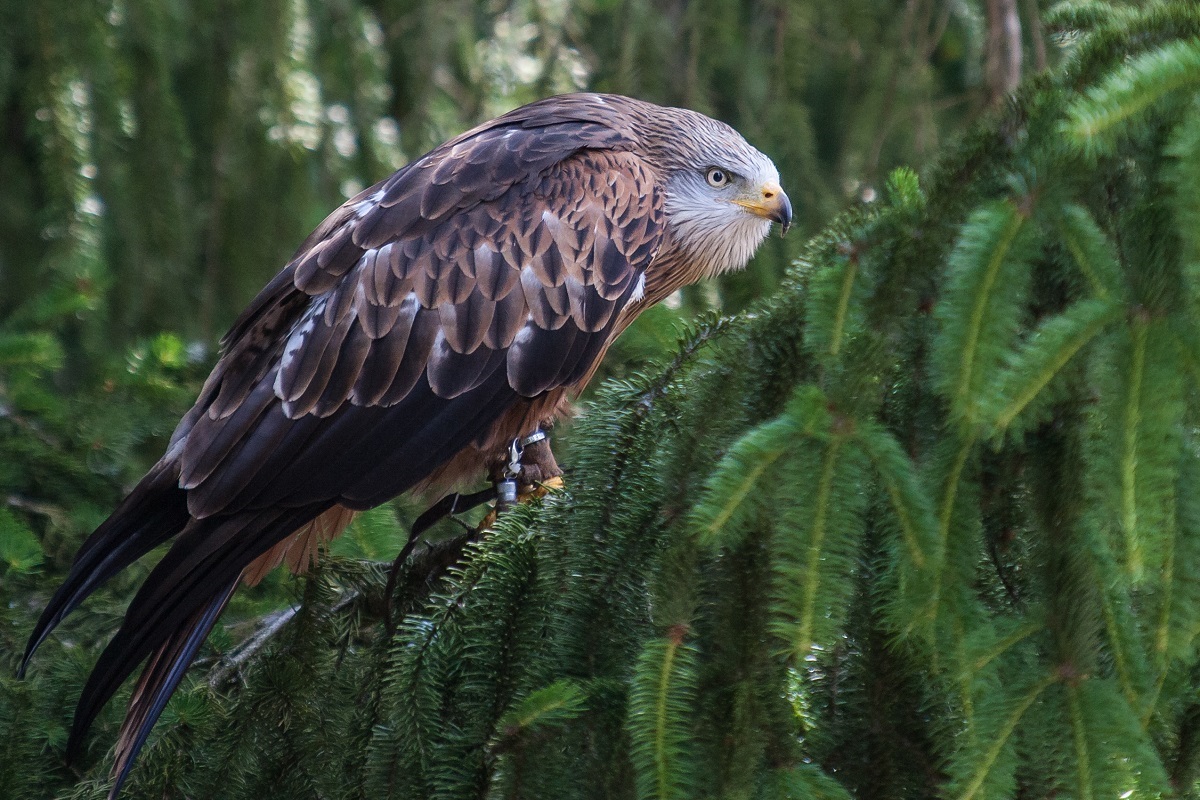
<point>1003,67</point>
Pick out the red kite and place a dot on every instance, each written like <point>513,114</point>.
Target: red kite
<point>422,328</point>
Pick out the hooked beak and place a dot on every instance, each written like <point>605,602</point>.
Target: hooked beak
<point>773,204</point>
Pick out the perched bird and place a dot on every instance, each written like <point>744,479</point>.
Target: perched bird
<point>427,323</point>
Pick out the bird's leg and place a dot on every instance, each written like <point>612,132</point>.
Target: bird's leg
<point>448,506</point>
<point>540,472</point>
<point>529,472</point>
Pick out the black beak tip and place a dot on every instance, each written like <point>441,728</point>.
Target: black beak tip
<point>784,217</point>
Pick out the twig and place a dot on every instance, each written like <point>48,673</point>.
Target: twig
<point>56,514</point>
<point>272,624</point>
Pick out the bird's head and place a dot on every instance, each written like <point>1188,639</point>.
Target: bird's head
<point>722,193</point>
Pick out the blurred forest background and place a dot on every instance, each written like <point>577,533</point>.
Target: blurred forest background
<point>161,159</point>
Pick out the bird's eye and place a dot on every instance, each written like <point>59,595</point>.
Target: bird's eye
<point>716,177</point>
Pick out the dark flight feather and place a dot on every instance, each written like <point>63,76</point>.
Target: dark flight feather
<point>160,677</point>
<point>152,513</point>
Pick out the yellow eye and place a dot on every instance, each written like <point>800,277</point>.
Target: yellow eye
<point>716,177</point>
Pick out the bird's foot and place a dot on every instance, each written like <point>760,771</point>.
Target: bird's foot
<point>526,493</point>
<point>529,473</point>
<point>541,489</point>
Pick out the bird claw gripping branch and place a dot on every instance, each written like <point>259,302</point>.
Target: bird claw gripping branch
<point>529,472</point>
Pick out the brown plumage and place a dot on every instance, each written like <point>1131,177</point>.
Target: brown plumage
<point>423,325</point>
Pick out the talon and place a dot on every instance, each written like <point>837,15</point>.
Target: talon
<point>541,489</point>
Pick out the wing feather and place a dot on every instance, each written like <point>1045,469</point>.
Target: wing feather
<point>385,356</point>
<point>303,351</point>
<point>415,257</point>
<point>509,316</point>
<point>164,670</point>
<point>217,438</point>
<point>377,319</point>
<point>411,368</point>
<point>377,276</point>
<point>327,344</point>
<point>538,355</point>
<point>465,324</point>
<point>495,275</point>
<point>355,346</point>
<point>452,373</point>
<point>549,306</point>
<point>346,369</point>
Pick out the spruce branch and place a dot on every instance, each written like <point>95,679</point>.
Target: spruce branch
<point>554,704</point>
<point>1003,644</point>
<point>913,507</point>
<point>1093,253</point>
<point>268,628</point>
<point>1100,718</point>
<point>951,485</point>
<point>843,303</point>
<point>981,306</point>
<point>737,476</point>
<point>798,630</point>
<point>1185,763</point>
<point>1130,423</point>
<point>806,782</point>
<point>1049,348</point>
<point>833,287</point>
<point>982,769</point>
<point>1079,732</point>
<point>729,493</point>
<point>1131,89</point>
<point>660,707</point>
<point>1085,16</point>
<point>1121,653</point>
<point>1184,148</point>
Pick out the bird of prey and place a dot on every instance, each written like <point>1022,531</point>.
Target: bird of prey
<point>424,326</point>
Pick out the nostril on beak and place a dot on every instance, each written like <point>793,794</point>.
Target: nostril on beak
<point>768,194</point>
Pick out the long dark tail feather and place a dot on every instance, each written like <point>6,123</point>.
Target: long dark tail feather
<point>194,575</point>
<point>158,681</point>
<point>153,512</point>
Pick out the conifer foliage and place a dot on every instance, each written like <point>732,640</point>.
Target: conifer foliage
<point>925,522</point>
